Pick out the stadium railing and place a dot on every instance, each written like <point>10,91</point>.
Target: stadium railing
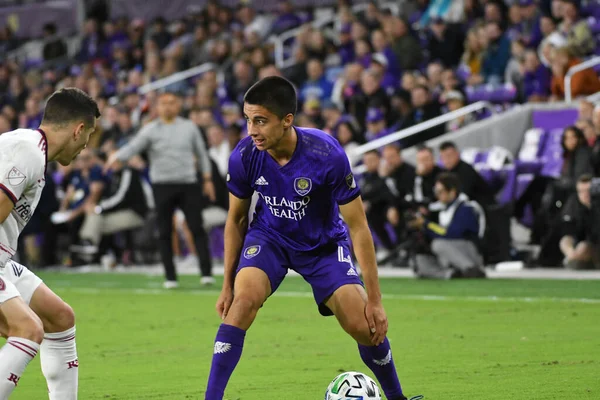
<point>280,40</point>
<point>416,129</point>
<point>180,76</point>
<point>592,62</point>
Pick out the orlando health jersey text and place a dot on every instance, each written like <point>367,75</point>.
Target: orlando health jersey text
<point>298,202</point>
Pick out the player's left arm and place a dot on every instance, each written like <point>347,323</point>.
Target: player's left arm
<point>362,241</point>
<point>347,195</point>
<point>353,214</point>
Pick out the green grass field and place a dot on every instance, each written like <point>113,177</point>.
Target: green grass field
<point>485,340</point>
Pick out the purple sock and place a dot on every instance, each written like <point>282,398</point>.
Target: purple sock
<point>228,350</point>
<point>379,360</point>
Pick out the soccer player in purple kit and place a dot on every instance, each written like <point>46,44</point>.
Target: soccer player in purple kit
<point>303,180</point>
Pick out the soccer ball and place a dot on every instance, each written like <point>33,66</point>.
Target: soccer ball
<point>353,386</point>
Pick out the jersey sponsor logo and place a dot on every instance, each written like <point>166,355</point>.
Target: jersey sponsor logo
<point>221,347</point>
<point>251,251</point>
<point>302,186</point>
<point>2,285</point>
<point>350,181</point>
<point>281,207</point>
<point>23,210</point>
<point>15,177</point>
<point>17,269</point>
<point>261,181</point>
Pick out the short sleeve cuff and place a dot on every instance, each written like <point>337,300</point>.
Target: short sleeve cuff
<point>348,199</point>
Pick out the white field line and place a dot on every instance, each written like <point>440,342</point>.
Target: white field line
<point>214,293</point>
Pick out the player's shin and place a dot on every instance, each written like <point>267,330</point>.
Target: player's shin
<point>379,360</point>
<point>14,357</point>
<point>227,352</point>
<point>60,364</point>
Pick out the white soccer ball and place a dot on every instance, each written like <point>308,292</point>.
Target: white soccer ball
<point>353,386</point>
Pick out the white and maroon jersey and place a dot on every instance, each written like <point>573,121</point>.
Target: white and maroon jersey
<point>23,158</point>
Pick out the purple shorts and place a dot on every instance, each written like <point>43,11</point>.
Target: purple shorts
<point>325,269</point>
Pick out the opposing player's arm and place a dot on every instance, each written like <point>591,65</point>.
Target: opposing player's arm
<point>353,214</point>
<point>6,205</point>
<point>235,231</point>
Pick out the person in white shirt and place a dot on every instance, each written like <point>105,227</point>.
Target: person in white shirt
<point>32,317</point>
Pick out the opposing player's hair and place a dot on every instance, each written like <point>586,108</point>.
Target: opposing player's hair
<point>449,181</point>
<point>274,93</point>
<point>70,105</point>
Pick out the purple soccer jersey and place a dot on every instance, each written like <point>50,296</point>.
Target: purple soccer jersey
<point>298,203</point>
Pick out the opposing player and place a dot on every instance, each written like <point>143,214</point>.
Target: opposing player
<point>32,317</point>
<point>303,180</point>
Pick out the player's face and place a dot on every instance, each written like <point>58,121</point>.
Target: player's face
<point>265,128</point>
<point>80,137</point>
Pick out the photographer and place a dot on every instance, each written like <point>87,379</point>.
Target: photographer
<point>579,243</point>
<point>455,239</point>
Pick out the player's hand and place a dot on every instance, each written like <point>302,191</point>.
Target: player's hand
<point>209,191</point>
<point>378,323</point>
<point>224,302</point>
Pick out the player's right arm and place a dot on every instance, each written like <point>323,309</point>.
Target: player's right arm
<point>240,195</point>
<point>21,164</point>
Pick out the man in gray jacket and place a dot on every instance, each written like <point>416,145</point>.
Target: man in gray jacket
<point>174,145</point>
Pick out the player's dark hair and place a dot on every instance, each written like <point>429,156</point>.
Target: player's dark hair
<point>274,93</point>
<point>449,181</point>
<point>70,105</point>
<point>447,145</point>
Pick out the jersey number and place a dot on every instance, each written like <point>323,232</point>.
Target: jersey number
<point>341,257</point>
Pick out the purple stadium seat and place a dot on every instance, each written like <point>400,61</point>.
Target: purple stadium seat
<point>553,119</point>
<point>501,94</point>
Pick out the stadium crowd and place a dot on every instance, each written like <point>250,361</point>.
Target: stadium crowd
<point>372,74</point>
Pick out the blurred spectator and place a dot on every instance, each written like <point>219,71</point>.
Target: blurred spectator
<point>286,19</point>
<point>583,83</point>
<point>445,42</point>
<point>580,40</point>
<point>530,31</point>
<point>317,86</point>
<point>586,110</point>
<point>376,124</point>
<point>54,48</point>
<point>385,54</point>
<point>547,195</point>
<point>472,184</point>
<point>405,46</point>
<point>159,34</point>
<point>455,240</point>
<point>497,54</point>
<point>426,174</point>
<point>536,78</point>
<point>472,57</point>
<point>90,49</point>
<point>424,109</point>
<point>121,207</point>
<point>218,147</point>
<point>347,136</point>
<point>454,101</point>
<point>579,243</point>
<point>513,74</point>
<point>8,41</point>
<point>376,197</point>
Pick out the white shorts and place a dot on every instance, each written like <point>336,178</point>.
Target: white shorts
<point>17,281</point>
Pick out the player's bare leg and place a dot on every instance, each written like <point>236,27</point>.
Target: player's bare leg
<point>58,353</point>
<point>348,305</point>
<point>25,333</point>
<point>251,288</point>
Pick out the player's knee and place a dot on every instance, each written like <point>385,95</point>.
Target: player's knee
<point>28,327</point>
<point>63,318</point>
<point>246,304</point>
<point>359,330</point>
